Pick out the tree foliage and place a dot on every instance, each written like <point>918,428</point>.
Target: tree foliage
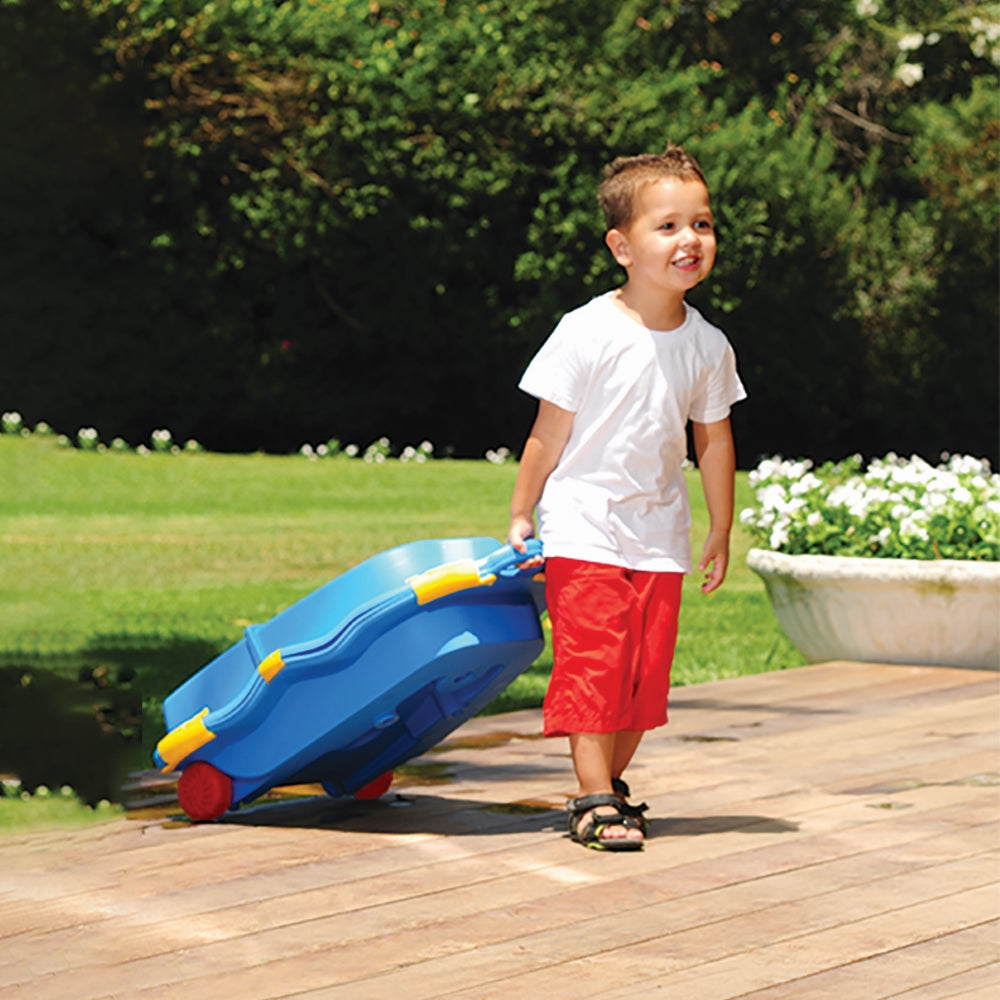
<point>276,220</point>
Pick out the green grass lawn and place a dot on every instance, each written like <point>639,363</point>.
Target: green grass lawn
<point>123,573</point>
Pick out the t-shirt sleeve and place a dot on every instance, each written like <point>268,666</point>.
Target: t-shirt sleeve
<point>719,390</point>
<point>557,373</point>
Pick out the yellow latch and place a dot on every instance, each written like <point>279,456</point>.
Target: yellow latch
<point>270,665</point>
<point>184,740</point>
<point>447,579</point>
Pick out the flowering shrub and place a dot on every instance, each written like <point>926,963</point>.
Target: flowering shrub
<point>162,442</point>
<point>376,453</point>
<point>896,508</point>
<point>12,422</point>
<point>88,439</point>
<point>420,454</point>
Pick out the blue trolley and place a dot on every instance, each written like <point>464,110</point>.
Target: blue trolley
<point>368,671</point>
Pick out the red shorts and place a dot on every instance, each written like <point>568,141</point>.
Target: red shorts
<point>613,637</point>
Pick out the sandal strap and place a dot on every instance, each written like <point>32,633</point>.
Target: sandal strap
<point>585,803</point>
<point>595,824</point>
<point>620,787</point>
<point>633,810</point>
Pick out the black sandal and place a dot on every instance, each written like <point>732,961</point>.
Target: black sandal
<point>621,789</point>
<point>590,835</point>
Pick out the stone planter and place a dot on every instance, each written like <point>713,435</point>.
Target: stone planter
<point>940,613</point>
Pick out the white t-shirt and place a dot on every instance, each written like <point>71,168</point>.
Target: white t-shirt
<point>618,494</point>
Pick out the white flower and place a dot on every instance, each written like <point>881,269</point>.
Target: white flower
<point>909,74</point>
<point>986,35</point>
<point>909,527</point>
<point>772,497</point>
<point>805,484</point>
<point>866,8</point>
<point>962,464</point>
<point>911,42</point>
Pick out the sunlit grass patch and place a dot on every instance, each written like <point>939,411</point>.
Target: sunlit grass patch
<point>146,567</point>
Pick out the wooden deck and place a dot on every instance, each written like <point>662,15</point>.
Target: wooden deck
<point>830,831</point>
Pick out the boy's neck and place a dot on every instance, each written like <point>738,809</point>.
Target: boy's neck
<point>655,312</point>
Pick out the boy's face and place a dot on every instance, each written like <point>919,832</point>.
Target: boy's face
<point>670,242</point>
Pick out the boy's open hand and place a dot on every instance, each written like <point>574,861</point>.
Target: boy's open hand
<point>714,562</point>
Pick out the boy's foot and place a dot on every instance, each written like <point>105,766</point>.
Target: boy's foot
<point>600,822</point>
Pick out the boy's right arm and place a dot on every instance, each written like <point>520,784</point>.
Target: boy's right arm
<point>545,444</point>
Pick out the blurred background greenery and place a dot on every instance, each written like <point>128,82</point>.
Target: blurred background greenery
<point>263,222</point>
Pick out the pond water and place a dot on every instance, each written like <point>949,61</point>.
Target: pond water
<point>69,721</point>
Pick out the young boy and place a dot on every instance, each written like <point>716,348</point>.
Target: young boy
<point>617,382</point>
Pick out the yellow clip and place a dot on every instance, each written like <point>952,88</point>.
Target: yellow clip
<point>270,665</point>
<point>448,579</point>
<point>184,740</point>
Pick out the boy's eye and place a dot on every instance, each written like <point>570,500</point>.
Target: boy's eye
<point>704,224</point>
<point>667,225</point>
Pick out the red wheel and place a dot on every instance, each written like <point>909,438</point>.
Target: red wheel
<point>204,791</point>
<point>375,788</point>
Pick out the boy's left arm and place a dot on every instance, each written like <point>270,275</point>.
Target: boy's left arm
<point>713,444</point>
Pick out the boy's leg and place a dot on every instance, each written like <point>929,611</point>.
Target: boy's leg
<point>626,745</point>
<point>594,758</point>
<point>606,668</point>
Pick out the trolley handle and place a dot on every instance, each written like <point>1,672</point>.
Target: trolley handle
<point>507,557</point>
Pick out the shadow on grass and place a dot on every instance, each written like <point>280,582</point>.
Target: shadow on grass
<point>77,719</point>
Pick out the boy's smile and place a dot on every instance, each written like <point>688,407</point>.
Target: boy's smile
<point>669,246</point>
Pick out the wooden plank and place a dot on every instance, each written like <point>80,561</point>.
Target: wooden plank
<point>948,966</point>
<point>840,816</point>
<point>980,983</point>
<point>332,934</point>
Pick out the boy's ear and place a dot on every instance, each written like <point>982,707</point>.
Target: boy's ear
<point>617,243</point>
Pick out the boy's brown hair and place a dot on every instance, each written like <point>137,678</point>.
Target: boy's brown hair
<point>625,176</point>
